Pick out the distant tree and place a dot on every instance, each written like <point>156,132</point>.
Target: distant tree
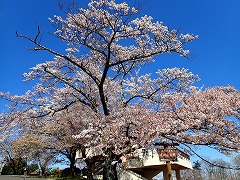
<point>32,168</point>
<point>35,148</point>
<point>65,126</point>
<point>236,161</point>
<point>7,170</point>
<point>56,171</point>
<point>68,172</point>
<point>197,165</point>
<point>191,174</point>
<point>14,167</point>
<point>218,169</point>
<point>8,154</point>
<point>236,164</point>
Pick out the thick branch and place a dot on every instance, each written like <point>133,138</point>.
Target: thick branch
<point>41,47</point>
<point>203,159</point>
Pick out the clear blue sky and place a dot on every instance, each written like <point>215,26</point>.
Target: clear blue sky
<point>217,51</point>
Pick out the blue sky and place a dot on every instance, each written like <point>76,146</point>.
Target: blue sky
<point>217,22</point>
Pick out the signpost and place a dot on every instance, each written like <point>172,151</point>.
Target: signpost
<point>167,155</point>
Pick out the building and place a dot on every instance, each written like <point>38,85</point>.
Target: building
<point>151,162</point>
<point>144,163</point>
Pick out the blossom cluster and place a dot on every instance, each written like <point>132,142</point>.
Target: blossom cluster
<point>94,94</point>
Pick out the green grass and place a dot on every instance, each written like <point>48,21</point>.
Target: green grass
<point>71,178</point>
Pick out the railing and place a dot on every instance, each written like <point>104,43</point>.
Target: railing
<point>156,156</point>
<point>128,175</point>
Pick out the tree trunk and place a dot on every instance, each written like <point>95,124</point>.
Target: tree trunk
<point>89,169</point>
<point>109,170</point>
<point>88,163</point>
<point>43,170</point>
<point>14,168</point>
<point>72,156</point>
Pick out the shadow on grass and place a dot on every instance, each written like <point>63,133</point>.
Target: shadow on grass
<point>71,178</point>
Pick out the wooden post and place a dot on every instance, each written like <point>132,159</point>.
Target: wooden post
<point>93,167</point>
<point>169,170</point>
<point>178,175</point>
<point>165,174</point>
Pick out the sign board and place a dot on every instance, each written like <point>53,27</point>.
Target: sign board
<point>167,154</point>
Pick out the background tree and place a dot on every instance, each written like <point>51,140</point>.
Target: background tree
<point>212,169</point>
<point>12,159</point>
<point>33,168</point>
<point>191,174</point>
<point>100,76</point>
<point>197,165</point>
<point>236,161</point>
<point>53,137</point>
<point>35,148</point>
<point>236,164</point>
<point>14,167</point>
<point>218,169</point>
<point>7,170</point>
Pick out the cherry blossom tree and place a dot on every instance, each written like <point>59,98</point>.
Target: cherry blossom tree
<point>33,147</point>
<point>44,141</point>
<point>100,98</point>
<point>65,125</point>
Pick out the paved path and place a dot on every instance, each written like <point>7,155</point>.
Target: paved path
<point>21,177</point>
